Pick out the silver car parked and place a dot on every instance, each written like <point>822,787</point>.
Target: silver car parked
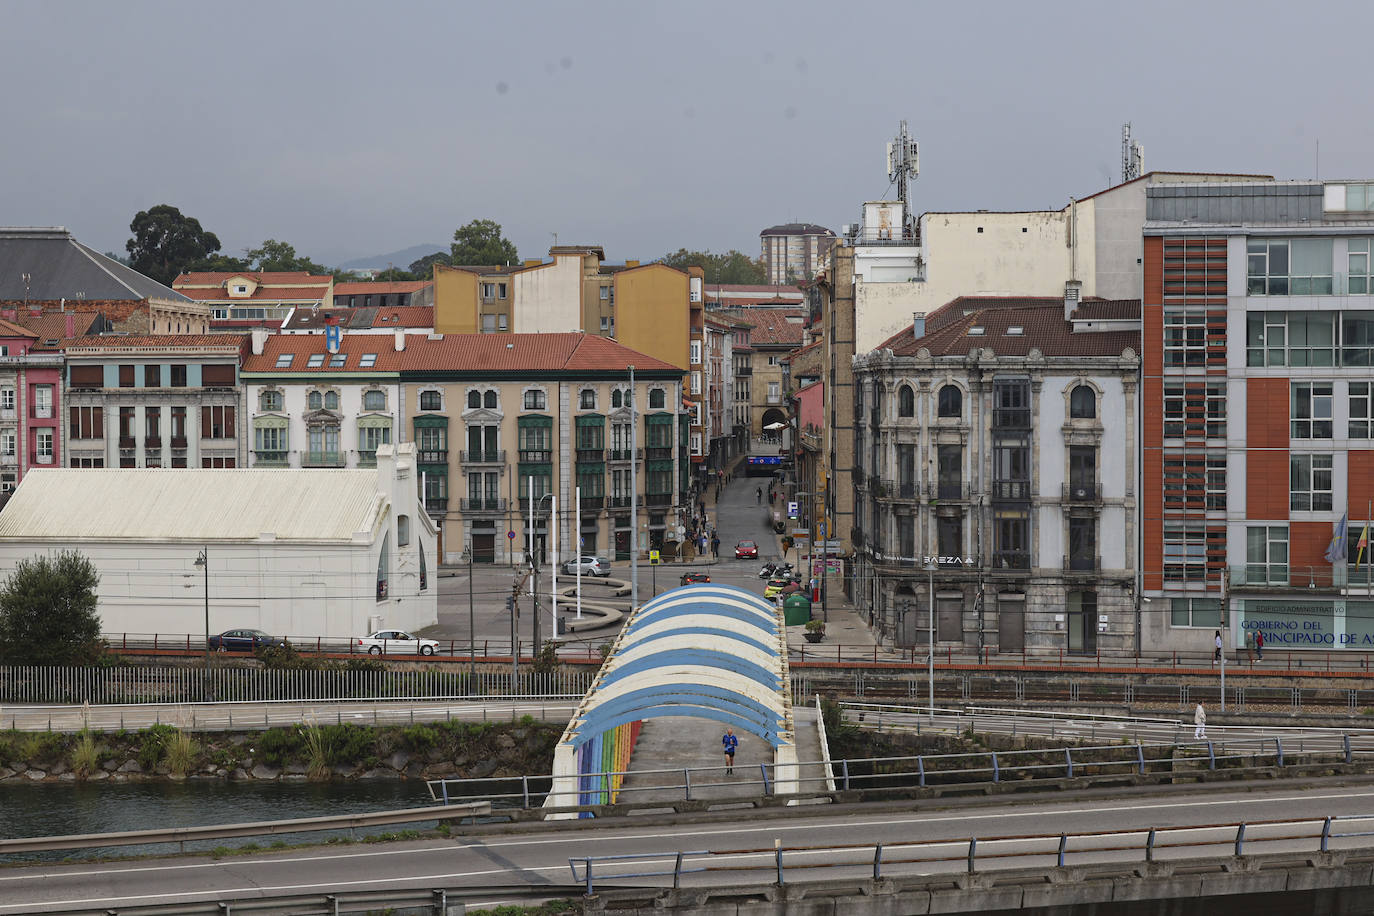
<point>591,566</point>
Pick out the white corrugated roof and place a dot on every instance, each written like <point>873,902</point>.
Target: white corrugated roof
<point>161,504</point>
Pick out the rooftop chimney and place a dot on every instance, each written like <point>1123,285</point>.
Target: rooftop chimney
<point>918,325</point>
<point>71,325</point>
<point>1073,291</point>
<point>400,340</point>
<point>631,263</point>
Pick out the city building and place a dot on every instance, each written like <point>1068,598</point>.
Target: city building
<point>773,333</point>
<point>413,319</point>
<point>383,294</point>
<point>1259,342</point>
<point>45,269</point>
<point>302,554</point>
<point>164,401</point>
<point>239,301</point>
<point>751,296</point>
<point>995,456</point>
<point>793,252</point>
<point>30,405</point>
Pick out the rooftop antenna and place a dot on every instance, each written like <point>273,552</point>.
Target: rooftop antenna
<point>903,160</point>
<point>555,238</point>
<point>1132,156</point>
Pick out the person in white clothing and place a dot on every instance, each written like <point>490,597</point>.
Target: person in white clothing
<point>1199,723</point>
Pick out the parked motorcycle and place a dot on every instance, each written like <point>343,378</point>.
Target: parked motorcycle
<point>767,571</point>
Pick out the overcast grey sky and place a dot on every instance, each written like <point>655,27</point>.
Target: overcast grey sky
<point>352,129</point>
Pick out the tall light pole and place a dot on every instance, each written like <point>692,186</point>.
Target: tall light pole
<point>203,561</point>
<point>553,522</point>
<point>930,567</point>
<point>472,627</point>
<point>634,499</point>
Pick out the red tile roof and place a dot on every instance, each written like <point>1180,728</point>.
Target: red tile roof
<point>155,341</point>
<point>10,329</point>
<point>772,328</point>
<point>365,287</point>
<point>53,325</point>
<point>502,353</point>
<point>1042,327</point>
<point>277,277</point>
<point>261,294</point>
<point>1107,310</point>
<point>390,316</point>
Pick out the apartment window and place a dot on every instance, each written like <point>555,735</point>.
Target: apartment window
<point>605,294</point>
<point>488,324</point>
<point>695,358</point>
<point>1266,555</point>
<point>42,401</point>
<point>906,406</point>
<point>1011,470</point>
<point>269,439</point>
<point>657,398</point>
<point>488,290</point>
<point>1361,424</point>
<point>432,439</point>
<point>1266,339</point>
<point>152,427</point>
<point>284,360</point>
<point>535,439</point>
<point>949,461</point>
<point>1309,483</point>
<point>617,399</point>
<point>500,291</point>
<point>1185,338</point>
<point>1195,410</point>
<point>951,401</point>
<point>1185,552</point>
<point>7,442</point>
<point>1011,532</point>
<point>7,399</point>
<point>1311,410</point>
<point>331,400</point>
<point>501,322</point>
<point>315,400</point>
<point>696,383</point>
<point>1082,403</point>
<point>1357,263</point>
<point>315,361</point>
<point>773,360</point>
<point>605,323</point>
<point>1284,267</point>
<point>369,437</point>
<point>217,422</point>
<point>1082,471</point>
<point>430,400</point>
<point>1011,405</point>
<point>86,422</point>
<point>126,376</point>
<point>152,376</point>
<point>534,400</point>
<point>1195,612</point>
<point>44,446</point>
<point>374,400</point>
<point>586,399</point>
<point>1357,338</point>
<point>1082,542</point>
<point>178,429</point>
<point>271,400</point>
<point>178,374</point>
<point>1300,339</point>
<point>949,535</point>
<point>774,392</point>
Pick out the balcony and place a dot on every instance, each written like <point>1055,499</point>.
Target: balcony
<point>744,371</point>
<point>484,504</point>
<point>1277,576</point>
<point>623,454</point>
<point>367,459</point>
<point>618,502</point>
<point>152,442</point>
<point>1082,565</point>
<point>41,412</point>
<point>1080,491</point>
<point>436,504</point>
<point>535,456</point>
<point>432,456</point>
<point>8,413</point>
<point>1010,561</point>
<point>591,455</point>
<point>889,489</point>
<point>952,490</point>
<point>127,442</point>
<point>655,453</point>
<point>41,458</point>
<point>323,459</point>
<point>658,499</point>
<point>270,459</point>
<point>593,502</point>
<point>1011,418</point>
<point>8,459</point>
<point>1016,490</point>
<point>491,456</point>
<point>178,441</point>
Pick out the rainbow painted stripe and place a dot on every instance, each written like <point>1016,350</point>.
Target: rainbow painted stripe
<point>602,762</point>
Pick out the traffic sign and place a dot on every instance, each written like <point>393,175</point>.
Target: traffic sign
<point>653,558</point>
<point>511,535</point>
<point>792,508</point>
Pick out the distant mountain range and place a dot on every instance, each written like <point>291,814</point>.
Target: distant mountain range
<point>399,259</point>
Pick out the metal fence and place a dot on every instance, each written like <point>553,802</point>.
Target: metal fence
<point>126,685</point>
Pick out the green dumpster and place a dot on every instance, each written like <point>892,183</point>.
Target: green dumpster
<point>796,609</point>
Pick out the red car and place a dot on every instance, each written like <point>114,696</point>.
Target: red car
<point>689,578</point>
<point>746,550</point>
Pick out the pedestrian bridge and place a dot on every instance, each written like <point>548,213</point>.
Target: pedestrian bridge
<point>705,651</point>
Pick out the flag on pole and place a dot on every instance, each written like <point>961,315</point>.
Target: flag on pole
<point>1336,550</point>
<point>1364,542</point>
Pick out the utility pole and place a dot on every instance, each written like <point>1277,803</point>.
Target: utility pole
<point>634,499</point>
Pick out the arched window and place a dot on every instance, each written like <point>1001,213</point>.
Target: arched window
<point>951,402</point>
<point>906,402</point>
<point>587,400</point>
<point>489,398</point>
<point>374,400</point>
<point>1082,403</point>
<point>331,400</point>
<point>314,400</point>
<point>271,400</point>
<point>474,400</point>
<point>617,398</point>
<point>656,399</point>
<point>430,400</point>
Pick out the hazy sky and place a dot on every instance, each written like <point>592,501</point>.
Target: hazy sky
<point>352,129</point>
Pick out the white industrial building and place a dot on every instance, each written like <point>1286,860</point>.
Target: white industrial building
<point>301,553</point>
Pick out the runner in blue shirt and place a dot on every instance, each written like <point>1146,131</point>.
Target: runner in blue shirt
<point>730,743</point>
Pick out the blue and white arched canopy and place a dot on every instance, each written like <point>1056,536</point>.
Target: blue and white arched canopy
<point>705,650</point>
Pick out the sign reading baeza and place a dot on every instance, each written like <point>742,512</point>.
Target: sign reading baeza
<point>948,561</point>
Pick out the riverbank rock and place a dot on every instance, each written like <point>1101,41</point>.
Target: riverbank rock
<point>482,769</point>
<point>6,772</point>
<point>398,761</point>
<point>35,775</point>
<point>263,771</point>
<point>295,769</point>
<point>240,773</point>
<point>130,766</point>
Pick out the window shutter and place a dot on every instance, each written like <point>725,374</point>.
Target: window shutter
<point>126,376</point>
<point>219,375</point>
<point>97,422</point>
<point>204,422</point>
<point>88,377</point>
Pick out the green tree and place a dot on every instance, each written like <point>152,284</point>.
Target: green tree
<point>166,242</point>
<point>48,611</point>
<point>731,267</point>
<point>273,255</point>
<point>423,268</point>
<point>480,242</point>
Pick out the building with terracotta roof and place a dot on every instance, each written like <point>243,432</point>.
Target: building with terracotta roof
<point>1258,444</point>
<point>46,269</point>
<point>490,415</point>
<point>245,299</point>
<point>996,459</point>
<point>383,294</point>
<point>793,252</point>
<point>30,405</point>
<point>773,333</point>
<point>165,400</point>
<point>413,319</point>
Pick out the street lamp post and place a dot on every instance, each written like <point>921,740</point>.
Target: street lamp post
<point>203,561</point>
<point>553,522</point>
<point>930,567</point>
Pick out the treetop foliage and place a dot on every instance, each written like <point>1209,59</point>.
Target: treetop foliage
<point>48,611</point>
<point>730,267</point>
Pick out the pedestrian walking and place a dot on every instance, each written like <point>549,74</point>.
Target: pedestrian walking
<point>730,744</point>
<point>1259,644</point>
<point>1216,657</point>
<point>1199,723</point>
<point>758,495</point>
<point>715,547</point>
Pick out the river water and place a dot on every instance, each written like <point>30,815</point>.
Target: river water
<point>54,809</point>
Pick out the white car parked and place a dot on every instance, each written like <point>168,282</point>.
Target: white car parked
<point>397,642</point>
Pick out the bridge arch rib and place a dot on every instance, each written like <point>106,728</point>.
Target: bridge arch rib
<point>707,651</point>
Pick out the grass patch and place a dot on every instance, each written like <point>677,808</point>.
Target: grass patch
<point>182,753</point>
<point>85,755</point>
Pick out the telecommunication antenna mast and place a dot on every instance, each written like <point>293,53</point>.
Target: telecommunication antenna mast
<point>1132,155</point>
<point>903,160</point>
